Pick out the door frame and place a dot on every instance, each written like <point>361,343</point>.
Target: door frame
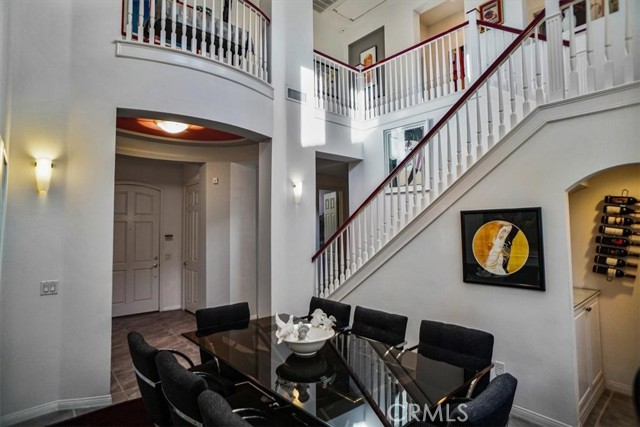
<point>193,181</point>
<point>160,228</point>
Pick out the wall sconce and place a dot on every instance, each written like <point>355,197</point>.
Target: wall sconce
<point>43,174</point>
<point>297,192</point>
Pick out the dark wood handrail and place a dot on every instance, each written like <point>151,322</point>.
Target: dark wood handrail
<point>324,55</point>
<point>464,98</point>
<point>417,45</point>
<point>516,31</point>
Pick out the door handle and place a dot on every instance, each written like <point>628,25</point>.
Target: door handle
<point>588,309</point>
<point>184,263</point>
<point>155,265</point>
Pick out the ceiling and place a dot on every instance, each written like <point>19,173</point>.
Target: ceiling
<point>351,10</point>
<point>195,134</point>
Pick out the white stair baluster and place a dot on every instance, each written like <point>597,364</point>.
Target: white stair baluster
<point>432,74</point>
<point>468,128</point>
<point>526,106</point>
<point>129,25</point>
<point>489,116</point>
<point>479,149</point>
<point>513,118</point>
<point>458,146</point>
<point>608,65</point>
<point>140,21</point>
<point>501,126</point>
<point>628,41</point>
<point>341,254</point>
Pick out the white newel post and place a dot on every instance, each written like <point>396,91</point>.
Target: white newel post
<point>554,50</point>
<point>472,48</point>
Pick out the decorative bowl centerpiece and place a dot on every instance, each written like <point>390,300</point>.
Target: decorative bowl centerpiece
<point>305,339</point>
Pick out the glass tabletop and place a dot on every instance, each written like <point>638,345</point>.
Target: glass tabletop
<point>349,381</point>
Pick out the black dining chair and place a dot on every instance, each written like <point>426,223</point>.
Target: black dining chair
<point>220,318</point>
<point>216,412</point>
<point>387,328</point>
<point>143,357</point>
<point>491,407</point>
<point>182,390</point>
<point>471,349</point>
<point>339,310</point>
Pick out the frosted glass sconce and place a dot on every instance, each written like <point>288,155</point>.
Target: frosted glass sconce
<point>297,192</point>
<point>43,175</point>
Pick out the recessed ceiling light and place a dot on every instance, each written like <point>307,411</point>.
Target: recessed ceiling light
<point>171,127</point>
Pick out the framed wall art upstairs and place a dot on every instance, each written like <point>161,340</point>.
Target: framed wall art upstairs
<point>491,11</point>
<point>503,247</point>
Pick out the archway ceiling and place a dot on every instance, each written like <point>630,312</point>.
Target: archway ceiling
<point>194,134</point>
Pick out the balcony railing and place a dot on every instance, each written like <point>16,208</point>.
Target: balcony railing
<point>530,72</point>
<point>231,32</point>
<point>438,66</point>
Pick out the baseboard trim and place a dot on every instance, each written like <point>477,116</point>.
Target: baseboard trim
<point>534,417</point>
<point>58,405</point>
<point>590,403</point>
<point>619,387</point>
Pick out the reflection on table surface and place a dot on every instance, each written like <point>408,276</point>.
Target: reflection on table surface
<point>350,380</point>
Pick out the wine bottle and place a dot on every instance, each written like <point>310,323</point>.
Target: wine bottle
<point>619,210</point>
<point>616,241</point>
<point>604,250</point>
<point>617,231</point>
<point>611,272</point>
<point>617,220</point>
<point>620,200</point>
<point>614,262</point>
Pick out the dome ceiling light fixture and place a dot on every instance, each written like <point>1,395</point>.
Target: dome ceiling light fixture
<point>171,127</point>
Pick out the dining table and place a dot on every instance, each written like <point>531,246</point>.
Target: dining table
<point>350,381</point>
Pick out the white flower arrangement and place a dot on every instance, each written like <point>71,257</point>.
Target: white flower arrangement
<point>298,331</point>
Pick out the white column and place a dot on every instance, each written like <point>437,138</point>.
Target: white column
<point>554,50</point>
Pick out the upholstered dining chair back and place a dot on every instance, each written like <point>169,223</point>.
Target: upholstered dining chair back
<point>467,348</point>
<point>181,389</point>
<point>217,317</point>
<point>143,357</point>
<point>339,310</point>
<point>216,412</point>
<point>378,325</point>
<point>489,408</point>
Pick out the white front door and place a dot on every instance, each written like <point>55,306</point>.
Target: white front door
<point>136,247</point>
<point>190,266</point>
<point>330,201</point>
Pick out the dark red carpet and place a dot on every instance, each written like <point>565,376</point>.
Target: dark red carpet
<point>124,414</point>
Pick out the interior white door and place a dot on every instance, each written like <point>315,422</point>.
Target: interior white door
<point>190,267</point>
<point>136,247</point>
<point>330,201</point>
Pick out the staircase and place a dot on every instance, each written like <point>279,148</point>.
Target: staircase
<point>543,64</point>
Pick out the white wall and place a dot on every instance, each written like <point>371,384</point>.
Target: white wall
<point>292,158</point>
<point>332,34</point>
<point>534,330</point>
<point>243,235</point>
<point>620,298</point>
<point>66,86</point>
<point>4,22</point>
<point>167,176</point>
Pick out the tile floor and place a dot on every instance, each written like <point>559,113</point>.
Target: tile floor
<point>164,329</point>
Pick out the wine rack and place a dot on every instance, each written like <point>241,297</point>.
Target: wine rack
<point>618,250</point>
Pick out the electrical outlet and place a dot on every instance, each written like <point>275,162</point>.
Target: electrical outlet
<point>499,367</point>
<point>49,287</point>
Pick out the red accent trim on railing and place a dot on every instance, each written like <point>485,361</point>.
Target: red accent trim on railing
<point>499,27</point>
<point>324,55</point>
<point>516,31</point>
<point>459,103</point>
<point>417,45</point>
